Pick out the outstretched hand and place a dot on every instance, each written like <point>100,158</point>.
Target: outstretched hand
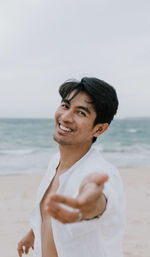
<point>89,203</point>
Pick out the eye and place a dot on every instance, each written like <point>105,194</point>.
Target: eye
<point>81,113</point>
<point>64,106</point>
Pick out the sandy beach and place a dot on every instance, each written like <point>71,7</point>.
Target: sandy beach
<point>17,195</point>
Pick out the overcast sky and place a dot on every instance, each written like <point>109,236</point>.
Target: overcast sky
<point>45,42</point>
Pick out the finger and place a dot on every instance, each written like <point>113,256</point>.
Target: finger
<point>56,216</point>
<point>89,194</point>
<point>20,248</point>
<point>20,251</point>
<point>99,179</point>
<point>72,202</point>
<point>27,249</point>
<point>62,214</point>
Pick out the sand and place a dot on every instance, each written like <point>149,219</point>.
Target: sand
<point>17,195</point>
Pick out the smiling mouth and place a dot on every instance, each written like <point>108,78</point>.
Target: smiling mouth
<point>65,129</point>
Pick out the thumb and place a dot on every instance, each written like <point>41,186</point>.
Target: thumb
<point>99,179</point>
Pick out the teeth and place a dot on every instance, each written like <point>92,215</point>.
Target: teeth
<point>64,128</point>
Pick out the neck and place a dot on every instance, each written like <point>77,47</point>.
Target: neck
<point>70,154</point>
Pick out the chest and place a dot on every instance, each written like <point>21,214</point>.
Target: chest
<point>52,188</point>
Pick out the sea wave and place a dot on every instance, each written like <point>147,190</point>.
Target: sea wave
<point>132,130</point>
<point>17,151</point>
<point>137,148</point>
<point>26,145</point>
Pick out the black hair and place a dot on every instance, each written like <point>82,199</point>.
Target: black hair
<point>103,97</point>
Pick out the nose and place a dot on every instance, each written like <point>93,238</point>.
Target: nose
<point>67,116</point>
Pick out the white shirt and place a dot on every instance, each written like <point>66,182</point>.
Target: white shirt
<point>99,237</point>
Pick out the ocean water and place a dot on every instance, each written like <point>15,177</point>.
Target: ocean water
<point>26,145</point>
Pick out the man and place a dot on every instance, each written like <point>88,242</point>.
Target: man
<point>84,218</point>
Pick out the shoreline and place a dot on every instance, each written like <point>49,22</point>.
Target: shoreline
<point>18,192</point>
<point>37,173</point>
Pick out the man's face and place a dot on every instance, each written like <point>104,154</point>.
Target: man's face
<point>74,121</point>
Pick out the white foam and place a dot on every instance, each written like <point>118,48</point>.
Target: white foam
<point>131,130</point>
<point>17,151</point>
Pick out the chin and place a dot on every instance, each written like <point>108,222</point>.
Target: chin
<point>55,138</point>
<point>61,141</point>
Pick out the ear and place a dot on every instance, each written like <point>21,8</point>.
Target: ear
<point>100,128</point>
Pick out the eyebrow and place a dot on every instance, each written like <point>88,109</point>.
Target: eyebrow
<point>84,108</point>
<point>79,107</point>
<point>65,101</point>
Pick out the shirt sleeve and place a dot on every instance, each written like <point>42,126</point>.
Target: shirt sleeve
<point>113,218</point>
<point>112,199</point>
